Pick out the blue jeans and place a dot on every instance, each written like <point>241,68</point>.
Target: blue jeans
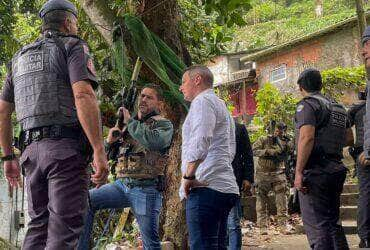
<point>233,227</point>
<point>145,203</point>
<point>206,217</point>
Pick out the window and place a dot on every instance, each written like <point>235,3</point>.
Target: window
<point>278,74</point>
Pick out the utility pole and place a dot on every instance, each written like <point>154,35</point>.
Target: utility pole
<point>361,18</point>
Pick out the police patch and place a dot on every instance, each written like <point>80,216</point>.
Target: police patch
<point>300,107</point>
<point>29,63</point>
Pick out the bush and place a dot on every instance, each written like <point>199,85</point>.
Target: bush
<point>273,105</point>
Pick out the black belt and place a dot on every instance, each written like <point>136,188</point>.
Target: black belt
<point>55,131</point>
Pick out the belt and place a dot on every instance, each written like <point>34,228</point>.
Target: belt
<point>132,182</point>
<point>55,131</point>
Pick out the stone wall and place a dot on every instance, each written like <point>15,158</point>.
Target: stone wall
<point>340,48</point>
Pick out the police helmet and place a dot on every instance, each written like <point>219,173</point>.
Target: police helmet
<point>52,5</point>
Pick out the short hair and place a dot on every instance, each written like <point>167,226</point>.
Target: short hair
<point>310,80</point>
<point>203,71</point>
<point>158,90</point>
<point>281,126</point>
<point>54,20</point>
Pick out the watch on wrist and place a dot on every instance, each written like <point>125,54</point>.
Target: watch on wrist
<point>8,157</point>
<point>189,177</point>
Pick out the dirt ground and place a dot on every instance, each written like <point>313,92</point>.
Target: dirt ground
<point>276,240</point>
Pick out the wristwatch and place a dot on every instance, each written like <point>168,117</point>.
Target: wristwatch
<point>189,177</point>
<point>8,157</point>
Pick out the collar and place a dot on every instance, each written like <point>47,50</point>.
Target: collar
<point>204,92</point>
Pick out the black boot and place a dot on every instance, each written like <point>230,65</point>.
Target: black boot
<point>364,243</point>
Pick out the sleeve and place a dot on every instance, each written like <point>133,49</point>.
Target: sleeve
<point>351,115</point>
<point>248,170</point>
<point>7,92</point>
<point>305,114</point>
<point>203,123</point>
<point>80,65</point>
<point>259,148</point>
<point>156,138</point>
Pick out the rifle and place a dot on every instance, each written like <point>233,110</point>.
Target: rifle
<point>128,96</point>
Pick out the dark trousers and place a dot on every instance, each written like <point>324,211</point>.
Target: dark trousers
<point>207,211</point>
<point>57,190</point>
<point>320,210</point>
<point>363,218</point>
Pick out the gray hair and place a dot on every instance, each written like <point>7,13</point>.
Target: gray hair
<point>203,71</point>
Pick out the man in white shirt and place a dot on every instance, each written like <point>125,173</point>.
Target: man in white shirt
<point>208,148</point>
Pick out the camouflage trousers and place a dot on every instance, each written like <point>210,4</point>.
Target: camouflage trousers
<point>278,185</point>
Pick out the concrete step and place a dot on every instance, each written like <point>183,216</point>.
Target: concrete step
<point>349,199</point>
<point>350,188</point>
<point>348,213</point>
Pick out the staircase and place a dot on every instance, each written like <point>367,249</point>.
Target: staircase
<point>348,208</point>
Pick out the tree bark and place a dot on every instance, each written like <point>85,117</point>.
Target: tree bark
<point>161,17</point>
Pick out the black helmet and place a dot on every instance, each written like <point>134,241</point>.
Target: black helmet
<point>58,5</point>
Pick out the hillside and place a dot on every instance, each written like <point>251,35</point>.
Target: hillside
<point>274,22</point>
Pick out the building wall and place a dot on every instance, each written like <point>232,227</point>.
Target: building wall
<point>7,231</point>
<point>340,48</point>
<point>219,67</point>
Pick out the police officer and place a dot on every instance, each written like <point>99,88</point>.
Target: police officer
<point>50,84</point>
<point>270,176</point>
<point>322,130</point>
<point>363,171</point>
<point>140,169</point>
<point>356,114</point>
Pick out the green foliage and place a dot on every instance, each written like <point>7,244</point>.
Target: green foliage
<point>230,12</point>
<point>272,22</point>
<point>272,105</point>
<point>337,80</point>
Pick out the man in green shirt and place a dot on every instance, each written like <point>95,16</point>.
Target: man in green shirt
<point>140,169</point>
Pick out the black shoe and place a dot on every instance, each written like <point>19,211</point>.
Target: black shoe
<point>364,243</point>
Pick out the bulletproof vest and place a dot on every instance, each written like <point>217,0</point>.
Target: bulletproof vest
<point>43,95</point>
<point>359,125</point>
<point>270,164</point>
<point>135,161</point>
<point>330,134</point>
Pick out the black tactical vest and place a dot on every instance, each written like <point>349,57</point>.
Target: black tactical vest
<point>359,125</point>
<point>42,90</point>
<point>330,134</point>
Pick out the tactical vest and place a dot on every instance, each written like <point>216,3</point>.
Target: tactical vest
<point>359,125</point>
<point>330,134</point>
<point>43,96</point>
<point>271,164</point>
<point>135,161</point>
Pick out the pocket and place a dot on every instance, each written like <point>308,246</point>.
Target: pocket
<point>63,154</point>
<point>139,203</point>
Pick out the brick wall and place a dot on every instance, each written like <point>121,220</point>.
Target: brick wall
<point>340,48</point>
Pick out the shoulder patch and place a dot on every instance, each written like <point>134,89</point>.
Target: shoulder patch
<point>300,107</point>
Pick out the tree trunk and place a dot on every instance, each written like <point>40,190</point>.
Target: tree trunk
<point>161,17</point>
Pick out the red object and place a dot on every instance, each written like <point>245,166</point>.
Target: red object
<point>249,105</point>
